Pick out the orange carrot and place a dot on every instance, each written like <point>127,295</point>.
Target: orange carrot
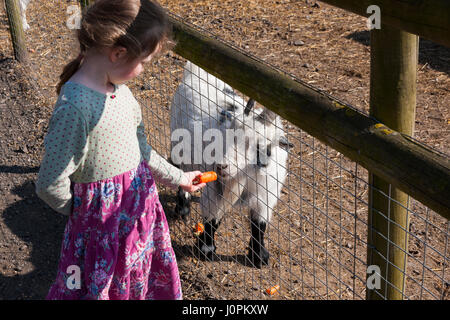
<point>271,291</point>
<point>198,229</point>
<point>205,177</point>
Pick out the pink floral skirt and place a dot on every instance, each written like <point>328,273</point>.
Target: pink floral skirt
<point>116,243</point>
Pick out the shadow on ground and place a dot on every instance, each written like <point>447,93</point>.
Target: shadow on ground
<point>436,56</point>
<point>41,229</point>
<point>183,250</point>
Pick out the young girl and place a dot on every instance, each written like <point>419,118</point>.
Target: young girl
<point>99,169</point>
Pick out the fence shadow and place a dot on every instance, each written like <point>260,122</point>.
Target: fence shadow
<point>18,169</point>
<point>184,251</point>
<point>41,229</point>
<point>436,56</point>
<point>168,201</point>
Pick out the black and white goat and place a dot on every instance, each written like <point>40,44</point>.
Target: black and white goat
<point>252,169</point>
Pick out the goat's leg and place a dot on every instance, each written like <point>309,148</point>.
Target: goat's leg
<point>183,205</point>
<point>257,252</point>
<point>183,198</point>
<point>217,198</point>
<point>264,191</point>
<point>205,243</point>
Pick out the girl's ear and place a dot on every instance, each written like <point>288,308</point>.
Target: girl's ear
<point>117,53</point>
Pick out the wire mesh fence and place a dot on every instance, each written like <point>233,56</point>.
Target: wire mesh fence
<point>317,236</point>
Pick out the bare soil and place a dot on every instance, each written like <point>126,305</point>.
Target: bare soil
<point>317,238</point>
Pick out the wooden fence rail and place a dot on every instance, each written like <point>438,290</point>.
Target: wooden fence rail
<point>422,173</point>
<point>426,18</point>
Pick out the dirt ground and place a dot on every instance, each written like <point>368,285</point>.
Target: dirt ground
<point>317,238</point>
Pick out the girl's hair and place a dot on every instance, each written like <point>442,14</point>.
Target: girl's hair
<point>137,25</point>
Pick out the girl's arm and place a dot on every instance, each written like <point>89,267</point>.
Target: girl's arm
<point>162,170</point>
<point>64,148</point>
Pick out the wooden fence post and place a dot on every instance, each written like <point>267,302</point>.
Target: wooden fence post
<point>16,30</point>
<point>392,101</point>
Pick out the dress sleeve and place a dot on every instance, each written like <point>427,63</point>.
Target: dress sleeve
<point>64,144</point>
<point>162,170</point>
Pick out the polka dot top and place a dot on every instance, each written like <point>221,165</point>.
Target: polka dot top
<point>94,136</point>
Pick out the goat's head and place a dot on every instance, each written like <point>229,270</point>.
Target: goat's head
<point>251,134</point>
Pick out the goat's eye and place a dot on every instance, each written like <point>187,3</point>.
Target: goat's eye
<point>231,107</point>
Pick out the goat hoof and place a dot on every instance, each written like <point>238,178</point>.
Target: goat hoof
<point>206,252</point>
<point>258,259</point>
<point>182,212</point>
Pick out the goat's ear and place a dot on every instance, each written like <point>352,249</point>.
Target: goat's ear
<point>228,90</point>
<point>267,116</point>
<point>285,144</point>
<point>249,106</point>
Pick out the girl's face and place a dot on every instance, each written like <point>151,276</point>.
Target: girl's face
<point>124,70</point>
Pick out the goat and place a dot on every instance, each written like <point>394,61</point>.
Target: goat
<point>251,170</point>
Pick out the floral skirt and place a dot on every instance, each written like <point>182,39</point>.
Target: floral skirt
<point>116,243</point>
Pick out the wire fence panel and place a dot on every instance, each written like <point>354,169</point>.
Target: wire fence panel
<point>317,237</point>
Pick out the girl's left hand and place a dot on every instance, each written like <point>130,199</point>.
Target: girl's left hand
<point>190,187</point>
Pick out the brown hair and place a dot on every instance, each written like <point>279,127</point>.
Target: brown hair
<point>137,25</point>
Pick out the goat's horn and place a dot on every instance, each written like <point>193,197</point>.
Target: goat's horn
<point>249,106</point>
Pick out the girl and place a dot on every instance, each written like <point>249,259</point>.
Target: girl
<point>99,169</point>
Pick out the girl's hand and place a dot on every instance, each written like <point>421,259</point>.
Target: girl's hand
<point>190,187</point>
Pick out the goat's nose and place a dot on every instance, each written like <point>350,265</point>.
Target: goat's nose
<point>222,166</point>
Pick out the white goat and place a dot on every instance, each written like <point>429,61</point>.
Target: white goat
<point>251,170</point>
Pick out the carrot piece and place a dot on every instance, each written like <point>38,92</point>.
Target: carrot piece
<point>205,177</point>
<point>198,229</point>
<point>272,290</point>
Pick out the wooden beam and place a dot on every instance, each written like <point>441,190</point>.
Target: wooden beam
<point>422,173</point>
<point>429,19</point>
